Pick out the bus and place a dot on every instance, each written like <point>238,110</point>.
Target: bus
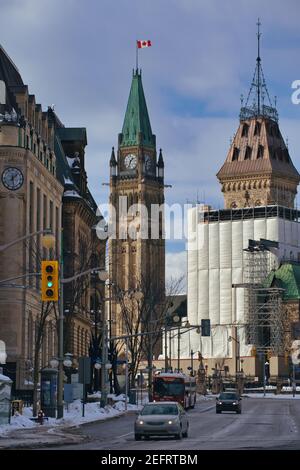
<point>169,386</point>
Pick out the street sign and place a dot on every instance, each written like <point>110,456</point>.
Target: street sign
<point>84,370</point>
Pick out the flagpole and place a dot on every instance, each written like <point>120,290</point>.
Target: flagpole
<point>137,57</point>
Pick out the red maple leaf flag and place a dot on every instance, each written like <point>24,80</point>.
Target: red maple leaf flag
<point>141,44</point>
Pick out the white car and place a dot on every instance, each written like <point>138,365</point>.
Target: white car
<point>164,418</point>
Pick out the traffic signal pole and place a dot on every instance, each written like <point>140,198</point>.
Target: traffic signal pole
<point>60,384</point>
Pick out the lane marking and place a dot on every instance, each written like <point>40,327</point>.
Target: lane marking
<point>123,435</point>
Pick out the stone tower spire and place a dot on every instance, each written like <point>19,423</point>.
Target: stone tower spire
<point>136,186</point>
<point>258,169</point>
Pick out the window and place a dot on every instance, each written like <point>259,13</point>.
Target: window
<point>248,153</point>
<point>235,154</point>
<point>260,151</point>
<point>257,128</point>
<point>245,130</point>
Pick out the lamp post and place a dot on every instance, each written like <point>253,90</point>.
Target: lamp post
<point>46,231</point>
<point>237,354</point>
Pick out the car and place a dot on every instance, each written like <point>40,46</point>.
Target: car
<point>228,401</point>
<point>166,418</point>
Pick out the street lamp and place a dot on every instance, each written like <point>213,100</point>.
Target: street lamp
<point>48,240</point>
<point>237,353</point>
<point>68,360</point>
<point>54,362</point>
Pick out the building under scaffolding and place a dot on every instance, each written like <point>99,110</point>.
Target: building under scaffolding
<point>263,305</point>
<point>230,254</point>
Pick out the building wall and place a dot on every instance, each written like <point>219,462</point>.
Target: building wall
<point>36,205</point>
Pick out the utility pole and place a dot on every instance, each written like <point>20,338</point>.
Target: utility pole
<point>60,385</point>
<point>104,363</point>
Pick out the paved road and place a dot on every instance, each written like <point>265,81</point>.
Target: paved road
<point>264,424</point>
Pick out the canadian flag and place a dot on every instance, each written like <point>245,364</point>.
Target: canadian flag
<point>141,44</point>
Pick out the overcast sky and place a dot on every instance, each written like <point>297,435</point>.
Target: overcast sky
<point>79,55</point>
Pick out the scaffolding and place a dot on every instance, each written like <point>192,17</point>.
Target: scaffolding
<point>263,305</point>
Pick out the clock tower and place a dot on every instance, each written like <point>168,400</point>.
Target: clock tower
<point>137,249</point>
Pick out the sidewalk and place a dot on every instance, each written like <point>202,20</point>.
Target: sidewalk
<point>24,433</point>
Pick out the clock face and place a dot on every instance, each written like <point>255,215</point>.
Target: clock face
<point>12,178</point>
<point>130,161</point>
<point>148,163</point>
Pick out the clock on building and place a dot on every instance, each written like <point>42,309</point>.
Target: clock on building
<point>12,178</point>
<point>130,161</point>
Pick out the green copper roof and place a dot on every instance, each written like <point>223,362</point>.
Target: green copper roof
<point>287,276</point>
<point>137,118</point>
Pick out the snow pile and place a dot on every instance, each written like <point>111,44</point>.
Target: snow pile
<point>17,422</point>
<point>92,412</point>
<point>72,415</point>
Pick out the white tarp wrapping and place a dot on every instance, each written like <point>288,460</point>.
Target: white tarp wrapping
<point>272,229</point>
<point>287,232</point>
<point>248,232</point>
<point>225,244</point>
<point>245,349</point>
<point>220,342</point>
<point>214,295</point>
<point>240,305</point>
<point>237,244</point>
<point>225,296</point>
<point>192,284</point>
<point>203,295</point>
<point>294,235</point>
<point>206,346</point>
<point>214,247</point>
<point>216,265</point>
<point>260,229</point>
<point>203,246</point>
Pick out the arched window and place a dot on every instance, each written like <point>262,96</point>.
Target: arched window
<point>260,151</point>
<point>257,128</point>
<point>248,153</point>
<point>235,155</point>
<point>245,130</point>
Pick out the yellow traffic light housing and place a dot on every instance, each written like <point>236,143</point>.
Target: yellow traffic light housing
<point>50,285</point>
<point>253,351</point>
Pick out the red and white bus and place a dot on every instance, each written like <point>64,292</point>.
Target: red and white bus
<point>175,387</point>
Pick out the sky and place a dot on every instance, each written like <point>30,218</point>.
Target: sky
<point>79,56</point>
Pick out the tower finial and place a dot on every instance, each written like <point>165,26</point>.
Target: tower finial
<point>258,60</point>
<point>258,92</point>
<point>258,38</point>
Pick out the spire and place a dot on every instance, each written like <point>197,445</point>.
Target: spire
<point>113,161</point>
<point>255,105</point>
<point>136,127</point>
<point>160,162</point>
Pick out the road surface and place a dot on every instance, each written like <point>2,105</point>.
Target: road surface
<point>265,423</point>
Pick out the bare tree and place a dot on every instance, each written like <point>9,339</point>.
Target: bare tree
<point>143,318</point>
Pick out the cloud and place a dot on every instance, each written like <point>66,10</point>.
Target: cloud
<point>80,55</point>
<point>176,266</point>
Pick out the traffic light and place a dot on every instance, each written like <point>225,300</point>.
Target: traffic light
<point>253,351</point>
<point>50,281</point>
<point>269,354</point>
<point>205,327</point>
